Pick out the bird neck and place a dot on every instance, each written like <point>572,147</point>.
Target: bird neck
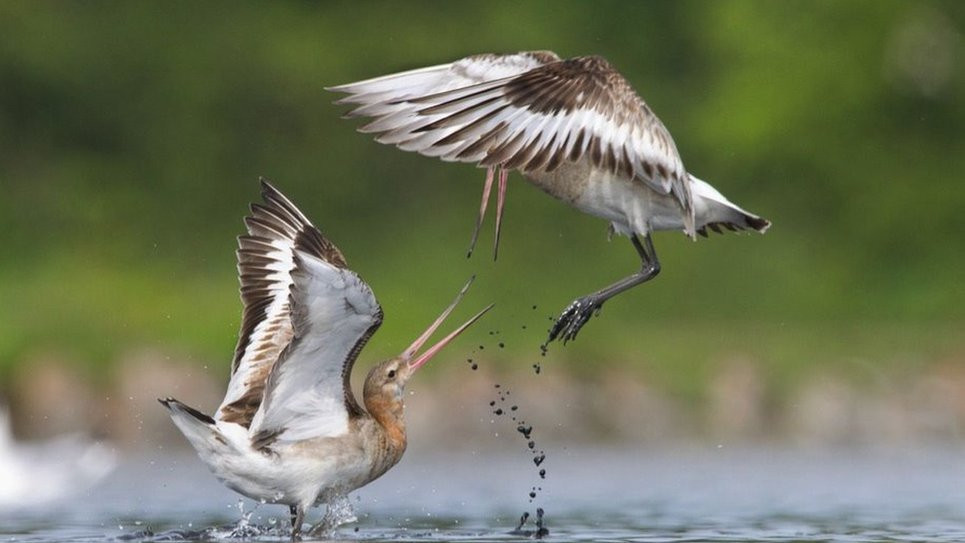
<point>389,413</point>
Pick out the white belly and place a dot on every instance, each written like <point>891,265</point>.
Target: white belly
<point>630,206</point>
<point>295,474</point>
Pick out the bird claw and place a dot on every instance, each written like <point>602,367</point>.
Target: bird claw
<point>572,319</point>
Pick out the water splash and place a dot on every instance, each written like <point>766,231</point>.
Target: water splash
<point>338,512</point>
<point>541,530</point>
<point>245,529</point>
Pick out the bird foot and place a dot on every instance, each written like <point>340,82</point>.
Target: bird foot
<point>572,319</point>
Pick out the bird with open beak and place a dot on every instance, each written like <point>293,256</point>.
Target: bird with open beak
<point>289,429</point>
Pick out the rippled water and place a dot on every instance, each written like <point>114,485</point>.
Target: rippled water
<point>698,494</point>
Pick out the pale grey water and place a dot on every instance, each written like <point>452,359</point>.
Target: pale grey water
<point>631,494</point>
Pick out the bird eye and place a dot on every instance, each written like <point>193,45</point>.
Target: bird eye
<point>391,374</point>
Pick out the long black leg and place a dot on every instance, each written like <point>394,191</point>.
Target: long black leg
<point>298,516</point>
<point>573,318</point>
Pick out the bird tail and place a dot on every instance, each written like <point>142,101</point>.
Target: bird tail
<point>716,211</point>
<point>199,429</point>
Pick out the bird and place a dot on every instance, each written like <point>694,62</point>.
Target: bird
<point>290,430</point>
<point>573,127</point>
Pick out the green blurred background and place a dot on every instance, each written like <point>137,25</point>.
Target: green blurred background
<point>132,136</point>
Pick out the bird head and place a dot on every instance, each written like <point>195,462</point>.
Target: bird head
<point>386,381</point>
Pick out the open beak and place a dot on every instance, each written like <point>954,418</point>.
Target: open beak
<point>409,354</point>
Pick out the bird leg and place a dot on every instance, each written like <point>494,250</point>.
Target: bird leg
<point>297,516</point>
<point>500,200</point>
<point>482,208</point>
<point>579,312</point>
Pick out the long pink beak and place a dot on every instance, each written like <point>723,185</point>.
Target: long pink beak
<point>409,353</point>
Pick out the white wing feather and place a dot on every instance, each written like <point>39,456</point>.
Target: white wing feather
<point>525,112</point>
<point>271,335</point>
<point>378,92</point>
<point>332,310</point>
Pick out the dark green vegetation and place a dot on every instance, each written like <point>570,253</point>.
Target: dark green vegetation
<point>132,136</point>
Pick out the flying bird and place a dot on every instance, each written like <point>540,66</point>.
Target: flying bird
<point>575,128</point>
<point>289,429</point>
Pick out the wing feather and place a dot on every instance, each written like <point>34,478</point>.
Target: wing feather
<point>266,260</point>
<point>528,111</point>
<point>308,394</point>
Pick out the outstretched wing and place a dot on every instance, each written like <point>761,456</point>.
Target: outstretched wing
<point>384,96</point>
<point>266,259</point>
<point>308,393</point>
<point>533,121</point>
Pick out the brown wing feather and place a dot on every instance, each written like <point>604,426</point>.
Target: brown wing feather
<point>534,120</point>
<point>265,261</point>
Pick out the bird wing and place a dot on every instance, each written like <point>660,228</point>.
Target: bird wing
<point>270,259</point>
<point>328,314</point>
<point>533,121</point>
<point>308,394</point>
<point>384,96</point>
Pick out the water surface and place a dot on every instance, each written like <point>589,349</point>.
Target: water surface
<point>633,494</point>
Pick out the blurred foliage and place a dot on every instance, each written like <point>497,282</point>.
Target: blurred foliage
<point>132,136</point>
